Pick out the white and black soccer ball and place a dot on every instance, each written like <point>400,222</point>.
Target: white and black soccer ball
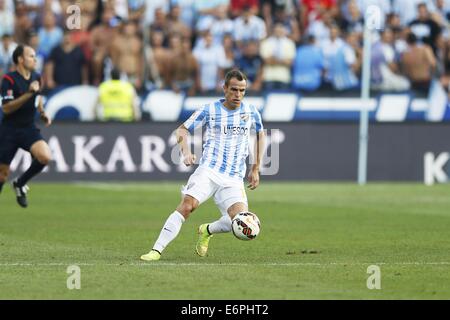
<point>245,226</point>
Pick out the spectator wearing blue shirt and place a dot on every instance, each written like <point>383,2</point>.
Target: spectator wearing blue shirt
<point>50,35</point>
<point>308,66</point>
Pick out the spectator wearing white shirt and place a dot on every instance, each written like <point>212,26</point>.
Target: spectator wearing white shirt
<point>218,25</point>
<point>7,17</point>
<point>320,28</point>
<point>385,69</point>
<point>212,61</point>
<point>339,60</point>
<point>278,53</point>
<point>204,9</point>
<point>248,27</point>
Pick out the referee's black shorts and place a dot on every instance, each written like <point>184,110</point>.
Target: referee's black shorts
<point>13,138</point>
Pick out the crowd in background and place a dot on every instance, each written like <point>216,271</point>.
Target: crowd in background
<point>188,45</point>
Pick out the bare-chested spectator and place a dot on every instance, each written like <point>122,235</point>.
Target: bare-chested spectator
<point>184,67</point>
<point>158,59</point>
<point>126,53</point>
<point>100,42</point>
<point>176,25</point>
<point>418,64</point>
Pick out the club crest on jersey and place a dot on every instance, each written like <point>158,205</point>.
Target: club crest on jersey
<point>244,117</point>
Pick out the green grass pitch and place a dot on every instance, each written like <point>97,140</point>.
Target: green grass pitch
<point>317,241</point>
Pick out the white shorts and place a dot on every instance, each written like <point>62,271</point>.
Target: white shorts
<point>204,183</point>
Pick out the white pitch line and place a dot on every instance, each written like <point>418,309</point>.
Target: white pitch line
<point>156,264</point>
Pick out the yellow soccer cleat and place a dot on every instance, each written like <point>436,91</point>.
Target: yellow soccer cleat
<point>151,256</point>
<point>203,240</point>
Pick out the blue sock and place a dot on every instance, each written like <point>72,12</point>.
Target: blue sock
<point>35,168</point>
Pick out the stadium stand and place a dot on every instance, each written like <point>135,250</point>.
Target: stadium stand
<point>146,40</point>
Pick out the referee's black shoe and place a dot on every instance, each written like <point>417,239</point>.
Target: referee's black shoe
<point>21,194</point>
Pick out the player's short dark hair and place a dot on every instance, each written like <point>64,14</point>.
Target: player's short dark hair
<point>18,52</point>
<point>235,73</point>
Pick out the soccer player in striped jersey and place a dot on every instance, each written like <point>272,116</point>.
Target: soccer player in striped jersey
<point>222,169</point>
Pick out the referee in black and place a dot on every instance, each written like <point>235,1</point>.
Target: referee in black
<point>19,92</point>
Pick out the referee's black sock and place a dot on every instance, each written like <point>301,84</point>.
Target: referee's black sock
<point>35,168</point>
<point>1,186</point>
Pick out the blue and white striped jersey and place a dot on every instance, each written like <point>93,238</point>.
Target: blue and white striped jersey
<point>226,145</point>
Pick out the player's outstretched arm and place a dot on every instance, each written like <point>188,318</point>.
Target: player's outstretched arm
<point>182,139</point>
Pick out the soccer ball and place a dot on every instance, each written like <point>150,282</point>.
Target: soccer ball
<point>245,226</point>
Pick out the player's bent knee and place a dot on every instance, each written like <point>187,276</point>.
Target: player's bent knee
<point>44,159</point>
